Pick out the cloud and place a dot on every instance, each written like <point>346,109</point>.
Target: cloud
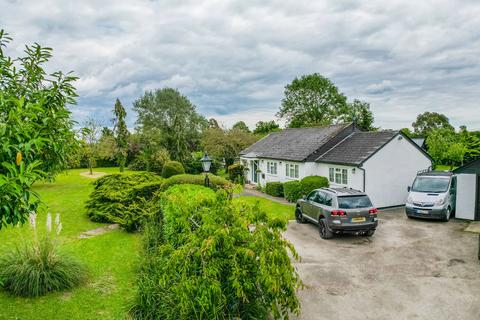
<point>233,58</point>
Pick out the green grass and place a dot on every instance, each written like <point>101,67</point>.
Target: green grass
<point>273,209</point>
<point>110,257</point>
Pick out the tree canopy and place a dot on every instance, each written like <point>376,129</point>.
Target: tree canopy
<point>265,127</point>
<point>359,112</point>
<point>241,126</point>
<point>428,121</point>
<point>312,100</point>
<point>121,134</point>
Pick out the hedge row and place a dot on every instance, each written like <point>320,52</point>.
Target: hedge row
<point>294,190</point>
<point>125,199</point>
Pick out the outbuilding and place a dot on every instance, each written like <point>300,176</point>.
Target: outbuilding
<point>468,191</point>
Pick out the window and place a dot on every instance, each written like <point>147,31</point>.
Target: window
<point>338,175</point>
<point>271,167</point>
<point>354,202</point>
<point>312,196</point>
<point>320,198</point>
<point>291,170</point>
<point>328,200</point>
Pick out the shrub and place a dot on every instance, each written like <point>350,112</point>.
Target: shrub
<point>235,173</point>
<point>274,189</point>
<point>121,198</point>
<point>215,182</point>
<point>292,190</point>
<point>40,267</point>
<point>214,259</point>
<point>150,162</point>
<point>313,182</point>
<point>172,168</point>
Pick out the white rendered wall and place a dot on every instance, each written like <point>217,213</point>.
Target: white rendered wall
<point>466,192</point>
<point>391,170</point>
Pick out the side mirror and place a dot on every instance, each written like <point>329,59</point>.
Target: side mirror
<point>409,188</point>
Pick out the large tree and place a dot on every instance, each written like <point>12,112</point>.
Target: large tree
<point>121,134</point>
<point>35,127</point>
<point>169,117</point>
<point>471,142</point>
<point>445,147</point>
<point>312,100</point>
<point>241,125</point>
<point>428,121</point>
<point>263,128</point>
<point>359,112</point>
<point>91,137</point>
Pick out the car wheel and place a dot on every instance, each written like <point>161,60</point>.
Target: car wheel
<point>325,232</point>
<point>370,233</point>
<point>448,214</point>
<point>299,216</point>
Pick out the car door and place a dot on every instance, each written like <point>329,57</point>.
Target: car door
<point>307,205</point>
<point>317,206</point>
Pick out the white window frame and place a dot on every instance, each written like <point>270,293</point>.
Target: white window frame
<point>272,167</point>
<point>292,170</point>
<point>338,175</point>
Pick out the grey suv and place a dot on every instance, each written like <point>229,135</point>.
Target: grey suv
<point>338,210</point>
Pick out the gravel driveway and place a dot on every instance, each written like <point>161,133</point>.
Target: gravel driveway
<point>410,269</point>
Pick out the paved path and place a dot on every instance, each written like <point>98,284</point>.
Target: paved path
<point>99,231</point>
<point>251,192</point>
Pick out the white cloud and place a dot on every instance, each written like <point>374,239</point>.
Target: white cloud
<point>233,58</point>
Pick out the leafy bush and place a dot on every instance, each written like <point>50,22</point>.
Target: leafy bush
<point>236,173</point>
<point>215,182</point>
<point>123,198</point>
<point>313,182</point>
<point>40,267</point>
<point>150,162</point>
<point>214,259</point>
<point>172,168</point>
<point>193,165</point>
<point>274,189</point>
<point>292,190</point>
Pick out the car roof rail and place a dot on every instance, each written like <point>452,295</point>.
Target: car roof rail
<point>424,170</point>
<point>329,189</point>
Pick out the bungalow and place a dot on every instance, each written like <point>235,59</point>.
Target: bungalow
<point>382,164</point>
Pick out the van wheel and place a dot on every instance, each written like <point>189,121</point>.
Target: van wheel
<point>325,232</point>
<point>448,214</point>
<point>299,216</point>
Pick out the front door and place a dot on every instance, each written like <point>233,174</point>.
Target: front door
<point>254,171</point>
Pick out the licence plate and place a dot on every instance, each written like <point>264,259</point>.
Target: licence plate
<point>422,211</point>
<point>358,219</point>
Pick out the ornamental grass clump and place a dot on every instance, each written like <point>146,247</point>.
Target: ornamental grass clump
<point>39,267</point>
<point>208,257</point>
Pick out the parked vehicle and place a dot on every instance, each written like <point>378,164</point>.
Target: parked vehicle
<point>338,210</point>
<point>432,195</point>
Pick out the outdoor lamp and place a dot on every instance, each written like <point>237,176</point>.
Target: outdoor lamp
<point>206,163</point>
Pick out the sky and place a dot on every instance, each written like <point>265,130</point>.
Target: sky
<point>232,59</point>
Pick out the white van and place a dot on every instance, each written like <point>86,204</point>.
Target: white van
<point>432,195</point>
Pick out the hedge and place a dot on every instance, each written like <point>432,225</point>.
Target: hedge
<point>215,182</point>
<point>172,168</point>
<point>313,182</point>
<point>292,190</point>
<point>235,173</point>
<point>274,189</point>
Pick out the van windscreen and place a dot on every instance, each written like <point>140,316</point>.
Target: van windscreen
<point>354,202</point>
<point>430,184</point>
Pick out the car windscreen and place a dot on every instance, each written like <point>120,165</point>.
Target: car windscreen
<point>354,202</point>
<point>431,184</point>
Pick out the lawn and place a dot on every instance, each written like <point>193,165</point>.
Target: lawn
<point>273,209</point>
<point>110,257</point>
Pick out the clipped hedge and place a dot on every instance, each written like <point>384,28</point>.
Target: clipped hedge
<point>274,189</point>
<point>122,198</point>
<point>292,190</point>
<point>172,168</point>
<point>206,257</point>
<point>215,182</point>
<point>313,182</point>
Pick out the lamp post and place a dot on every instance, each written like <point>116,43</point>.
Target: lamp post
<point>206,163</point>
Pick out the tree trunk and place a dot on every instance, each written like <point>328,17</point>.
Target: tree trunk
<point>90,167</point>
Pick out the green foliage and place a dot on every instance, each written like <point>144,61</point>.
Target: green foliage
<point>121,134</point>
<point>214,259</point>
<point>312,100</point>
<point>236,173</point>
<point>215,182</point>
<point>292,190</point>
<point>35,127</point>
<point>471,141</point>
<point>34,269</point>
<point>172,168</point>
<point>168,119</point>
<point>152,162</point>
<point>241,126</point>
<point>274,189</point>
<point>428,121</point>
<point>263,128</point>
<point>445,147</point>
<point>193,165</point>
<point>123,199</point>
<point>359,112</point>
<point>313,182</point>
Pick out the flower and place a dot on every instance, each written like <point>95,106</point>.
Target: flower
<point>59,228</point>
<point>49,222</point>
<point>19,158</point>
<point>32,218</point>
<point>57,219</point>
